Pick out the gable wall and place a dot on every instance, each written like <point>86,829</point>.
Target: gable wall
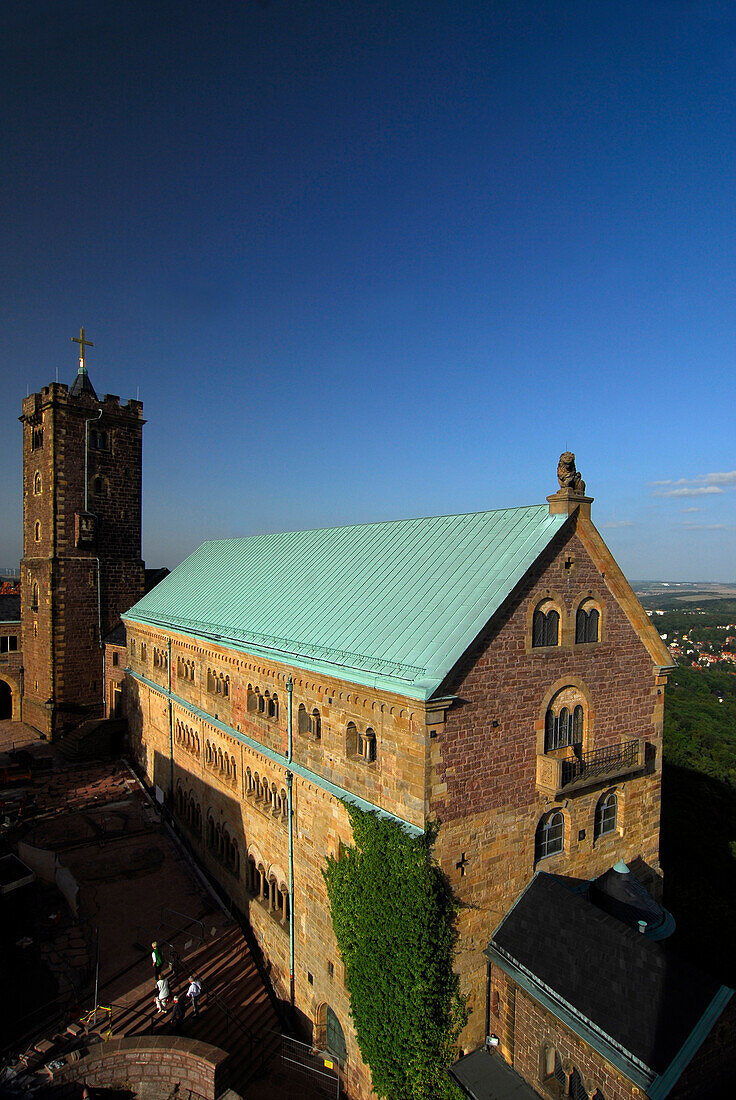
<point>484,788</point>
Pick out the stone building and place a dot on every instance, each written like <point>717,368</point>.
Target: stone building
<point>11,661</point>
<point>493,671</point>
<point>81,561</point>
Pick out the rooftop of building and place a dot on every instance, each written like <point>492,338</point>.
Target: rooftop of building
<point>10,608</point>
<point>645,1007</point>
<point>391,605</point>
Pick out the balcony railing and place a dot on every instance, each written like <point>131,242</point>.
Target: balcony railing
<point>560,774</point>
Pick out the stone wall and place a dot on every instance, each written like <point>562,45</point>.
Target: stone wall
<point>258,828</point>
<point>529,1036</point>
<point>196,1070</point>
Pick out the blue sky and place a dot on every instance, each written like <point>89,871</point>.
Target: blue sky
<point>368,260</point>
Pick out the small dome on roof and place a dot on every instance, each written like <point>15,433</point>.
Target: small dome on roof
<point>620,893</point>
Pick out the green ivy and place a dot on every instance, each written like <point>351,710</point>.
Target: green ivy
<point>394,919</point>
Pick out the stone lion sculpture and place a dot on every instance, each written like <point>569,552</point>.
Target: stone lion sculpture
<point>568,476</point>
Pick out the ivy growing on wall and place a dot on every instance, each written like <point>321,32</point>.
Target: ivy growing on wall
<point>393,915</point>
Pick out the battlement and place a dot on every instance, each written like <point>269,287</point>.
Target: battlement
<point>57,394</point>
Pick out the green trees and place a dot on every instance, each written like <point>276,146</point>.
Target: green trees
<point>393,915</point>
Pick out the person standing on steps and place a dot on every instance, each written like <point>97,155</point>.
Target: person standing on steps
<point>156,959</point>
<point>162,994</point>
<point>177,1014</point>
<point>194,993</point>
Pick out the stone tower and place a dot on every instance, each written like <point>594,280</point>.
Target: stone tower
<point>81,562</point>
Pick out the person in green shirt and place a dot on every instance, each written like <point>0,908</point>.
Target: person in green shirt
<point>156,959</point>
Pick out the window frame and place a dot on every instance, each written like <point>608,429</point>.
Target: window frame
<point>551,822</point>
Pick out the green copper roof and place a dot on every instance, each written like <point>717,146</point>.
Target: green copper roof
<point>391,605</point>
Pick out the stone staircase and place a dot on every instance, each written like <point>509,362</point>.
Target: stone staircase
<point>92,739</point>
<point>235,1010</point>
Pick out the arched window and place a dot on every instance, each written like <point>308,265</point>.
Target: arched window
<point>233,769</point>
<point>37,531</point>
<point>226,687</point>
<point>606,814</point>
<point>303,723</point>
<point>97,486</point>
<point>248,781</point>
<point>261,704</point>
<point>284,804</point>
<point>34,596</point>
<point>563,726</point>
<point>587,623</point>
<point>550,835</point>
<point>546,625</point>
<point>577,1089</point>
<point>37,483</point>
<point>351,739</point>
<point>251,700</point>
<point>367,746</point>
<point>273,706</point>
<point>316,724</point>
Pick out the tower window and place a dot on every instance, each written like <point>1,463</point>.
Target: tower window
<point>36,439</point>
<point>37,483</point>
<point>34,596</point>
<point>37,531</point>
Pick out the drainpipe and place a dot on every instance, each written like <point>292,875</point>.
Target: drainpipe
<point>171,726</point>
<point>289,795</point>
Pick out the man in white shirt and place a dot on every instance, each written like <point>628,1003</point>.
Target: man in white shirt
<point>194,993</point>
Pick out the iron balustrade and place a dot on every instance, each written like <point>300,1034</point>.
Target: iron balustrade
<point>598,763</point>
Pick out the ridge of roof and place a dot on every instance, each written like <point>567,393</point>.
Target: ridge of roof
<point>391,604</point>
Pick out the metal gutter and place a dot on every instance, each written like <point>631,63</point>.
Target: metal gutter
<point>419,690</point>
<point>279,759</point>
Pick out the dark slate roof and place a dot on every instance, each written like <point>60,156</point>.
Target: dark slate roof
<point>10,608</point>
<point>117,635</point>
<point>485,1076</point>
<point>634,990</point>
<point>82,384</point>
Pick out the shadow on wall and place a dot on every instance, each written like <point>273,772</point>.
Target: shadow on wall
<point>698,856</point>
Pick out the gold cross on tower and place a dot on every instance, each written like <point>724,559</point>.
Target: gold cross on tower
<point>82,345</point>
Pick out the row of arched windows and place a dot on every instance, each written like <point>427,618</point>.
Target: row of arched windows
<point>566,1077</point>
<point>188,810</point>
<point>546,624</point>
<point>263,703</point>
<point>269,795</point>
<point>309,724</point>
<point>187,738</point>
<point>185,669</point>
<point>221,762</point>
<point>549,839</point>
<point>160,658</point>
<point>265,888</point>
<point>563,729</point>
<point>359,744</point>
<point>223,847</point>
<point>217,683</point>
